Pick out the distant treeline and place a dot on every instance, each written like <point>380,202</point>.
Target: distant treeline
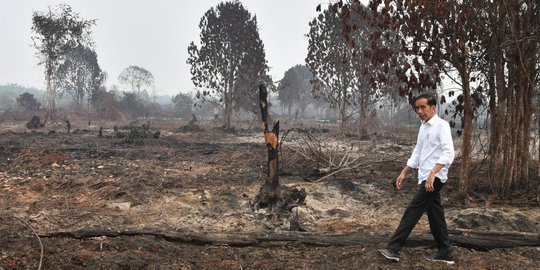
<point>10,92</point>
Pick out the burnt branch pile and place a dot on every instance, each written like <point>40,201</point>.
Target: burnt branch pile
<point>134,133</point>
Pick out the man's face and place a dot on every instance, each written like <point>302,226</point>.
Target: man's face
<point>423,110</point>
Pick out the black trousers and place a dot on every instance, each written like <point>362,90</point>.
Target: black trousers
<point>422,202</point>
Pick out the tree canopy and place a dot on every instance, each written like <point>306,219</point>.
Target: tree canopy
<point>79,75</point>
<point>183,104</point>
<point>27,102</point>
<point>342,78</point>
<point>230,61</point>
<point>296,88</point>
<point>136,77</point>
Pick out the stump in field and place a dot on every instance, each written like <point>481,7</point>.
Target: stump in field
<point>278,199</point>
<point>191,126</point>
<point>68,125</point>
<point>34,123</point>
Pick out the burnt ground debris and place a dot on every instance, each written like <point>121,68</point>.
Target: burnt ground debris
<point>158,202</point>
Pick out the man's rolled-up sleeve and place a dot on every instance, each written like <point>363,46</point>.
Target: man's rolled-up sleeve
<point>447,145</point>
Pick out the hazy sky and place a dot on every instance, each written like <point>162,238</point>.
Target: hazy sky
<point>153,34</point>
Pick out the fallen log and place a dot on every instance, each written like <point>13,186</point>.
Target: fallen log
<point>480,240</point>
<point>493,239</point>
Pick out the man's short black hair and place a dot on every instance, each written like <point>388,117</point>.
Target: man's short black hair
<point>431,101</point>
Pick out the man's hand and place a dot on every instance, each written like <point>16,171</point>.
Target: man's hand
<point>399,181</point>
<point>429,182</point>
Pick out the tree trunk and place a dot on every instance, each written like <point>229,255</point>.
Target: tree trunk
<point>271,195</point>
<point>521,151</point>
<point>289,107</point>
<point>494,60</point>
<point>501,91</point>
<point>505,143</point>
<point>463,189</point>
<point>522,65</point>
<point>514,126</point>
<point>342,109</point>
<point>364,120</point>
<point>49,95</point>
<point>493,132</point>
<point>228,109</point>
<point>270,190</point>
<point>528,77</point>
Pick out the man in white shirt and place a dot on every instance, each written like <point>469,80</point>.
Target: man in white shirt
<point>432,156</point>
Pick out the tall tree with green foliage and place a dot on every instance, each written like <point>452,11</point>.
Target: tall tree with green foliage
<point>56,33</point>
<point>79,75</point>
<point>230,61</point>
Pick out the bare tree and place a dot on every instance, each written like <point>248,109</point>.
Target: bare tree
<point>136,77</point>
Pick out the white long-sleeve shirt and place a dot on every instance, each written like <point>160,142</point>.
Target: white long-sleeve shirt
<point>433,145</point>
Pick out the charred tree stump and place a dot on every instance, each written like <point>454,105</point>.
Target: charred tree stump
<point>191,125</point>
<point>278,199</point>
<point>68,125</point>
<point>193,121</point>
<point>34,123</point>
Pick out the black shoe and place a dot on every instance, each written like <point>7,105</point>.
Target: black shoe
<point>390,254</point>
<point>448,259</point>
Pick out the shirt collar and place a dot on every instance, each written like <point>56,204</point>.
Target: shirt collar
<point>432,120</point>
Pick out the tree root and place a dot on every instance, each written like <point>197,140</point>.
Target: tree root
<point>279,201</point>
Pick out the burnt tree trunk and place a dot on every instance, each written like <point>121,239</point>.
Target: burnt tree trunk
<point>272,195</point>
<point>466,147</point>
